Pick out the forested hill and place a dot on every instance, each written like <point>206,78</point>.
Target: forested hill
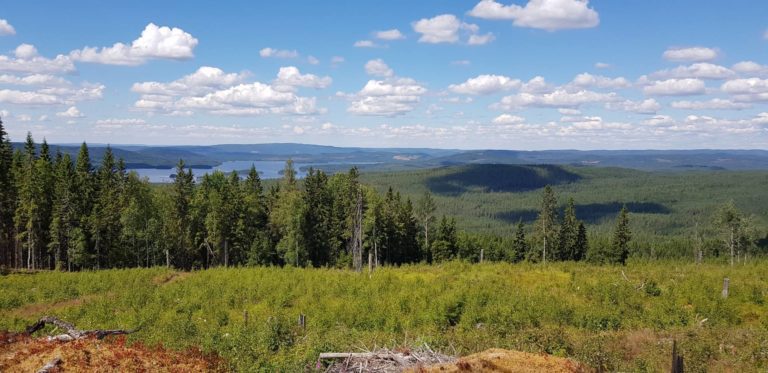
<point>329,157</point>
<point>668,208</point>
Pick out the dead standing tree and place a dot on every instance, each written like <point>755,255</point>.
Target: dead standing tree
<point>357,234</point>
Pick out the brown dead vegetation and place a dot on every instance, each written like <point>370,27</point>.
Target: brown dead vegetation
<point>21,353</point>
<point>498,360</point>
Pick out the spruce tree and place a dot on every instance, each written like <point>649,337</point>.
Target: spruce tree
<point>83,195</point>
<point>28,218</point>
<point>7,200</point>
<point>520,247</point>
<point>63,211</point>
<point>44,181</point>
<point>567,239</point>
<point>316,222</point>
<point>621,237</point>
<point>582,244</point>
<point>181,226</point>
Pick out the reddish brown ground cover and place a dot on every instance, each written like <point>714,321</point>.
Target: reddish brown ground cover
<point>22,353</point>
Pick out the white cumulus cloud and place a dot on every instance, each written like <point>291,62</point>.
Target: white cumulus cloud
<point>278,53</point>
<point>379,68</point>
<point>647,106</point>
<point>485,84</point>
<point>6,28</point>
<point>72,112</point>
<point>713,104</point>
<point>389,97</point>
<point>675,87</point>
<point>690,54</point>
<point>155,42</point>
<point>508,119</point>
<point>550,15</point>
<point>393,34</point>
<point>290,76</point>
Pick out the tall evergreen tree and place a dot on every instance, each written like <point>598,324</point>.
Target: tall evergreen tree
<point>84,191</point>
<point>520,247</point>
<point>63,218</point>
<point>182,252</point>
<point>569,229</point>
<point>582,244</point>
<point>44,191</point>
<point>105,216</point>
<point>28,218</point>
<point>444,247</point>
<point>316,222</point>
<point>621,237</point>
<point>255,234</point>
<point>7,200</point>
<point>546,225</point>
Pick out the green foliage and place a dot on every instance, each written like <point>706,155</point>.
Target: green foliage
<point>591,313</point>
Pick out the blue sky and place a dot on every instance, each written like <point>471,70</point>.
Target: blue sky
<point>510,74</point>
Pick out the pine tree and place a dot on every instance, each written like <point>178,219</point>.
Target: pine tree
<point>621,237</point>
<point>569,230</point>
<point>520,247</point>
<point>547,221</point>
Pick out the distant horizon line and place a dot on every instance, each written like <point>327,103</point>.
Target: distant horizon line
<point>114,145</point>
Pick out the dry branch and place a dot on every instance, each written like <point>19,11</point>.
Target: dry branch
<point>383,360</point>
<point>73,333</point>
<point>50,366</point>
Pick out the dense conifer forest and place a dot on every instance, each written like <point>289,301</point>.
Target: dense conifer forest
<point>72,214</point>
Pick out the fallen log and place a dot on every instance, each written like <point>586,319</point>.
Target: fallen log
<point>72,332</point>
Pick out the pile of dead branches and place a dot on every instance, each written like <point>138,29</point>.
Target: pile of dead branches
<point>382,360</point>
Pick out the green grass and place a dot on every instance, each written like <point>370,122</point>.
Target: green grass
<point>664,205</point>
<point>591,313</point>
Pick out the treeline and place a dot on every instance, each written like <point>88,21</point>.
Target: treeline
<point>59,213</point>
<point>62,213</point>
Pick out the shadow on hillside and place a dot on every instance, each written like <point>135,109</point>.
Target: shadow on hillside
<point>499,178</point>
<point>590,213</point>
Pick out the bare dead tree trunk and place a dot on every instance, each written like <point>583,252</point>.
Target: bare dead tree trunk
<point>357,235</point>
<point>732,246</point>
<point>544,253</point>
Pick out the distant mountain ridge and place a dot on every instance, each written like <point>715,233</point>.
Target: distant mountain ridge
<point>332,158</point>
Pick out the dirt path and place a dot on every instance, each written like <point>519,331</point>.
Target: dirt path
<point>37,309</point>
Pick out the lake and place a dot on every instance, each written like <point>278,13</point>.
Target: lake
<point>266,169</point>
